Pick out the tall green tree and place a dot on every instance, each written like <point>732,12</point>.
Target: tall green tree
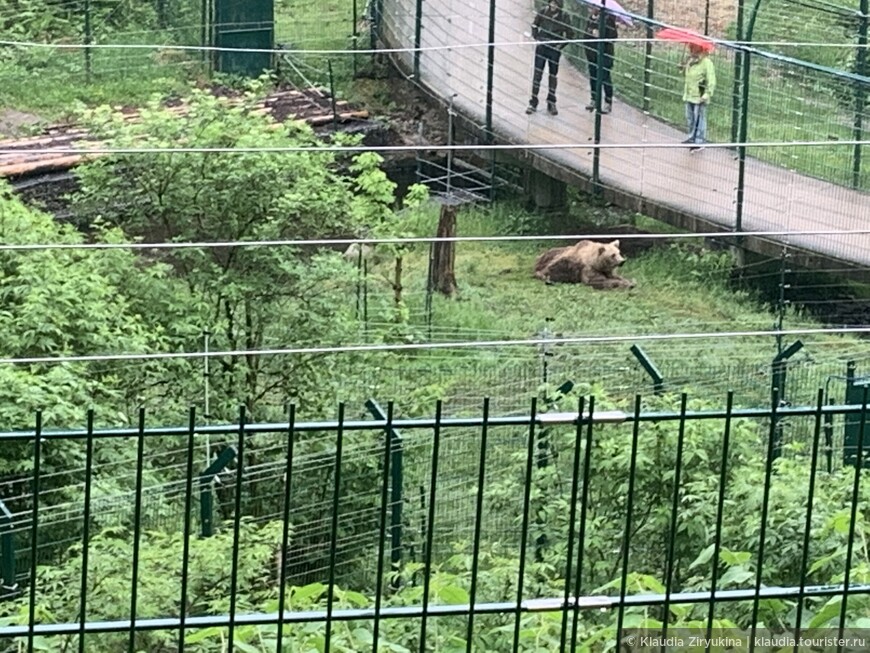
<point>259,297</point>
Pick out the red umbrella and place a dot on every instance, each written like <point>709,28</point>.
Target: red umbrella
<point>685,36</point>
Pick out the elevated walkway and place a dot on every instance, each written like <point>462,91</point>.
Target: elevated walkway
<point>696,191</point>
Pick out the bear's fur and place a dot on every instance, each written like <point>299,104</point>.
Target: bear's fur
<point>587,262</point>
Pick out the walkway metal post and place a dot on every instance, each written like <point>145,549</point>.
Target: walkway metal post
<point>738,65</point>
<point>490,74</point>
<point>743,135</point>
<point>418,28</point>
<point>596,153</point>
<point>647,57</point>
<point>860,94</point>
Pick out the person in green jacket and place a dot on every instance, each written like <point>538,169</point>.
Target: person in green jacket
<point>700,84</point>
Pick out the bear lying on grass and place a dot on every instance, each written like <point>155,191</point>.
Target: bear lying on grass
<point>593,264</point>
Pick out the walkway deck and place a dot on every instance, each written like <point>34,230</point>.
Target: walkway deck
<point>702,185</point>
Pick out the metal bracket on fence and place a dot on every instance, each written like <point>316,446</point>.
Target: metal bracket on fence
<point>396,495</point>
<point>7,552</point>
<point>206,493</point>
<point>651,369</point>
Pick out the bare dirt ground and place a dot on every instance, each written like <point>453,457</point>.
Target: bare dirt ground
<point>690,13</point>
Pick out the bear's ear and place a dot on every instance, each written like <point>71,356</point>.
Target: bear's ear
<point>601,250</point>
<point>615,243</point>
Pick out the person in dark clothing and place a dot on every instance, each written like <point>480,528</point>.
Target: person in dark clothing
<point>590,34</point>
<point>551,24</point>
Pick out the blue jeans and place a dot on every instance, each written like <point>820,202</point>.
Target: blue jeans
<point>696,117</point>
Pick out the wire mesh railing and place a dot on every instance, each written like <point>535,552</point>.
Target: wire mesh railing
<point>578,522</point>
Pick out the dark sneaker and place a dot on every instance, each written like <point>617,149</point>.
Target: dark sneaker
<point>607,108</point>
<point>590,106</point>
<point>530,109</point>
<point>551,109</point>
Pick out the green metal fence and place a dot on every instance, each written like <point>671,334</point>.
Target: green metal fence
<point>573,524</point>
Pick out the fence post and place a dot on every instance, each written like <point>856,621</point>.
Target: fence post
<point>647,57</point>
<point>779,371</point>
<point>490,74</point>
<point>860,94</point>
<point>355,36</point>
<point>418,28</point>
<point>397,455</point>
<point>206,495</point>
<point>88,39</point>
<point>852,427</point>
<point>7,552</point>
<point>543,460</point>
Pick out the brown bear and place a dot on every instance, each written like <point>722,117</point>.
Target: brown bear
<point>593,264</point>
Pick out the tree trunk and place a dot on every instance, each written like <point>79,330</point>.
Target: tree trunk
<point>444,253</point>
<point>397,289</point>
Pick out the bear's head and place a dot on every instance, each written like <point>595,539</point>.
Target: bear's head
<point>609,257</point>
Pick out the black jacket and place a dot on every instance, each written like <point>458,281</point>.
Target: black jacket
<point>591,33</point>
<point>555,26</point>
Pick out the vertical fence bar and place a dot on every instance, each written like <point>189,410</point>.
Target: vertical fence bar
<point>808,524</point>
<point>382,540</point>
<point>490,74</point>
<point>203,33</point>
<point>478,526</point>
<point>765,509</point>
<point>86,529</point>
<point>188,503</point>
<point>860,94</point>
<point>7,551</point>
<point>333,529</point>
<point>629,507</point>
<point>397,482</point>
<point>853,517</point>
<point>34,530</point>
<point>829,439</point>
<point>675,505</point>
<point>137,531</point>
<point>285,534</point>
<point>720,512</point>
<point>237,524</point>
<point>354,35</point>
<point>524,534</point>
<point>430,524</point>
<point>572,524</point>
<point>647,56</point>
<point>707,18</point>
<point>88,40</point>
<point>418,33</point>
<point>581,539</point>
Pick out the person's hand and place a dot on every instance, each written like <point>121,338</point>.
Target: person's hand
<point>705,99</point>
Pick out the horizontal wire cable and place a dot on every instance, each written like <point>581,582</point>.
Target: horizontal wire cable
<point>409,50</point>
<point>428,147</point>
<point>424,239</point>
<point>476,344</point>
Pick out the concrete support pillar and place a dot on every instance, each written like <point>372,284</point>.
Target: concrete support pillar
<point>544,192</point>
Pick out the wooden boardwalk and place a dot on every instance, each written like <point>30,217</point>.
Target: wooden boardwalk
<point>697,191</point>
